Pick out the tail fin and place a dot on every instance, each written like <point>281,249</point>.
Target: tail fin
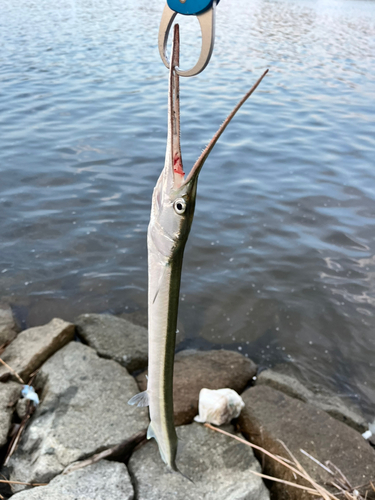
<point>177,471</point>
<point>171,465</point>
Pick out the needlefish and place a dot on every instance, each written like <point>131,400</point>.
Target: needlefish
<point>172,211</point>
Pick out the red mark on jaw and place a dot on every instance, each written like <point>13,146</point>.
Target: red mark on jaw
<point>177,165</point>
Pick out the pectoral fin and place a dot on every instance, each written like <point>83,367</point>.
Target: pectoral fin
<point>140,399</point>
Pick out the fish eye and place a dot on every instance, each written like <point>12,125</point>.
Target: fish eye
<point>179,206</point>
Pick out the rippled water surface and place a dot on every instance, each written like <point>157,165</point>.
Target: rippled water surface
<point>280,262</point>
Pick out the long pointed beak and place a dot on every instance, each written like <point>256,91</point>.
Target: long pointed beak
<point>193,175</point>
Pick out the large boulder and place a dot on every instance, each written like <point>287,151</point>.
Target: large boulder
<point>115,338</point>
<point>102,481</point>
<point>33,346</point>
<point>270,417</point>
<point>330,403</point>
<point>9,394</point>
<point>84,410</point>
<point>218,466</point>
<point>8,327</point>
<point>194,370</point>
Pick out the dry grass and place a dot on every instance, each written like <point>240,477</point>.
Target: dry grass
<point>12,371</point>
<point>5,481</point>
<point>339,481</point>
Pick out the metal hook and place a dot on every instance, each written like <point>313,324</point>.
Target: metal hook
<point>207,22</point>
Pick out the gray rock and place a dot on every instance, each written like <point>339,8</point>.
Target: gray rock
<point>9,394</point>
<point>331,404</point>
<point>102,481</point>
<point>8,327</point>
<point>194,370</point>
<point>83,411</point>
<point>115,338</point>
<point>218,465</point>
<point>285,383</point>
<point>335,407</point>
<point>270,417</point>
<point>139,317</point>
<point>33,346</point>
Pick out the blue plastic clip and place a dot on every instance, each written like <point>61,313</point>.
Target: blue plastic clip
<point>205,12</point>
<point>190,7</point>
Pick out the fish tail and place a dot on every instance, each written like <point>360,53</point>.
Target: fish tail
<point>172,467</point>
<point>175,470</point>
<point>152,434</point>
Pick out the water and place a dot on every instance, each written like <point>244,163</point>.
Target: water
<point>280,263</point>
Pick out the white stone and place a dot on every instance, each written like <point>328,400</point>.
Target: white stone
<point>219,407</point>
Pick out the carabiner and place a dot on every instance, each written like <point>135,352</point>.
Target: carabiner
<point>206,18</point>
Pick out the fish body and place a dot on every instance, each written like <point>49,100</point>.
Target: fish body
<point>167,235</point>
<point>172,212</point>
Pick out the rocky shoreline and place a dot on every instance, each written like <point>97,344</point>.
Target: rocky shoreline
<point>83,441</point>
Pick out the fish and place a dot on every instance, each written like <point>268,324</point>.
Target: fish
<point>172,212</point>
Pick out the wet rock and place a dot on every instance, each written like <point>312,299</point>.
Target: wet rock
<point>102,481</point>
<point>218,466</point>
<point>9,394</point>
<point>335,407</point>
<point>270,416</point>
<point>83,410</point>
<point>115,338</point>
<point>139,317</point>
<point>195,370</point>
<point>33,346</point>
<point>8,327</point>
<point>284,383</point>
<point>331,404</point>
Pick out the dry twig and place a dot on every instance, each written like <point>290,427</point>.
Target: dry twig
<point>2,348</point>
<point>12,371</point>
<point>5,481</point>
<point>322,491</point>
<point>283,481</point>
<point>16,438</point>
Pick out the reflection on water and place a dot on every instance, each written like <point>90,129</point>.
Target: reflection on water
<point>280,262</point>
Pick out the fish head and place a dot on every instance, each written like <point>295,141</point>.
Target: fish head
<point>172,210</point>
<point>173,201</point>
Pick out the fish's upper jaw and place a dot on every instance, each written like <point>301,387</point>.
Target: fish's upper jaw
<point>174,143</point>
